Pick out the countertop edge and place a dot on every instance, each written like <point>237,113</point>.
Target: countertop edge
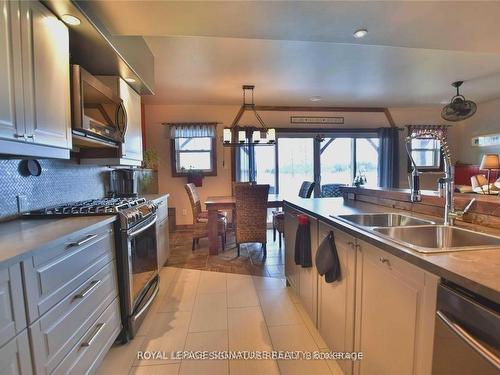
<point>30,251</point>
<point>403,253</point>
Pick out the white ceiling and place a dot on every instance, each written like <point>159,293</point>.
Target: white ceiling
<point>204,51</point>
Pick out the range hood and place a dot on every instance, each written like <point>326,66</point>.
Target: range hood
<point>93,47</point>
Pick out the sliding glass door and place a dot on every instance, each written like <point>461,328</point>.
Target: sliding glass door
<point>295,164</point>
<point>329,159</point>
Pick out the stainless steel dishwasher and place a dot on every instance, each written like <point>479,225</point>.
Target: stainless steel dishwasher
<point>467,333</point>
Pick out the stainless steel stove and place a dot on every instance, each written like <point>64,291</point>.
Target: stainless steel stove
<point>136,252</point>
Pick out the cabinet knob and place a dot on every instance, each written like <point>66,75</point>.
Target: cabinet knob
<point>384,260</point>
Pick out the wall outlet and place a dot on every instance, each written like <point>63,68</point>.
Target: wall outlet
<point>184,212</point>
<point>22,203</point>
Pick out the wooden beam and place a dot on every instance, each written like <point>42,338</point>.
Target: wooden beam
<point>284,108</point>
<point>389,117</point>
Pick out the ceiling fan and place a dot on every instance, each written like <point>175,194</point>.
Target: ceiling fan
<point>459,108</point>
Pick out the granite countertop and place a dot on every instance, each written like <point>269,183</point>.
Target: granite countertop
<point>476,270</point>
<point>21,237</point>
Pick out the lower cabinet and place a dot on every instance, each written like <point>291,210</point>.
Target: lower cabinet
<point>336,300</point>
<point>395,310</point>
<point>15,356</point>
<point>382,306</point>
<point>304,280</point>
<point>59,308</point>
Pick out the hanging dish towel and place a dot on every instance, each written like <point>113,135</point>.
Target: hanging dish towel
<point>327,259</point>
<point>303,255</point>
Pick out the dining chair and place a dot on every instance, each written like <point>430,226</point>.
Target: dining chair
<point>306,190</point>
<point>251,215</point>
<point>200,218</point>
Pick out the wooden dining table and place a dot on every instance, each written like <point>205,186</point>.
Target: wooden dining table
<point>215,204</point>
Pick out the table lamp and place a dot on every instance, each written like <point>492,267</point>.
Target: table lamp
<point>490,162</point>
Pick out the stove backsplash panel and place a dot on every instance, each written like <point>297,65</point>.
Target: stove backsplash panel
<point>61,181</point>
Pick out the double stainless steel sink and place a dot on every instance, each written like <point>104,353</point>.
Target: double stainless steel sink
<point>423,236</point>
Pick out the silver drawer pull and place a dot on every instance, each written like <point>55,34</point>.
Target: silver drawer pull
<point>98,329</point>
<point>93,284</point>
<point>84,240</point>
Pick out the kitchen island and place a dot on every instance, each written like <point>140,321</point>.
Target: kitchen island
<point>384,303</point>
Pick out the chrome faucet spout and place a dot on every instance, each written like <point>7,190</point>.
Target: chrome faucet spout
<point>447,181</point>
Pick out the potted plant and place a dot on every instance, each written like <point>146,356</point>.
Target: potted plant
<point>359,180</point>
<point>195,176</point>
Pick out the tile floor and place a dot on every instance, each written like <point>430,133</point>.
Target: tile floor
<point>199,310</point>
<point>249,263</point>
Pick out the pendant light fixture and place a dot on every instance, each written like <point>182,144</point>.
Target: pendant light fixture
<point>236,135</point>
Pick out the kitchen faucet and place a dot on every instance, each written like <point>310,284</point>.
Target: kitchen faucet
<point>445,184</point>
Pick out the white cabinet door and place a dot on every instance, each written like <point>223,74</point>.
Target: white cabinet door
<point>308,283</point>
<point>11,90</point>
<point>395,307</point>
<point>292,271</point>
<point>336,300</point>
<point>45,42</point>
<point>132,147</point>
<point>15,356</point>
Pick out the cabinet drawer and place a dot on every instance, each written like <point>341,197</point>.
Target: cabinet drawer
<point>89,351</point>
<point>15,356</point>
<point>55,333</point>
<point>55,273</point>
<point>12,314</point>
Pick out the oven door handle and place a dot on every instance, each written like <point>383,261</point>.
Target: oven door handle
<point>469,340</point>
<point>140,230</point>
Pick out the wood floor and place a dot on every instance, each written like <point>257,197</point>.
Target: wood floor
<point>212,311</point>
<point>249,263</point>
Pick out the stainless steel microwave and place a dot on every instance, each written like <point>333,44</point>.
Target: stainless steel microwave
<point>96,111</point>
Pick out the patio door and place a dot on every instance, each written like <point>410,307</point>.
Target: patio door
<point>295,164</point>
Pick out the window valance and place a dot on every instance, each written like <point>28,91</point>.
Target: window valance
<point>192,129</point>
<point>421,131</point>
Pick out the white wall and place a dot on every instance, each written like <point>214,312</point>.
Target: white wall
<point>485,121</point>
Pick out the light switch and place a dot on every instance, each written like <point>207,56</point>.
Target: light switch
<point>22,203</point>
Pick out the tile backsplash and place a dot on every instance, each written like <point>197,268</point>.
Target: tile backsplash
<point>61,181</point>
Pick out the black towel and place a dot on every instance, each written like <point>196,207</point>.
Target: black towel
<point>303,255</point>
<point>327,259</point>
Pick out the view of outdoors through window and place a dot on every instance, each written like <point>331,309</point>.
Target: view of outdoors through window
<point>194,153</point>
<point>340,160</point>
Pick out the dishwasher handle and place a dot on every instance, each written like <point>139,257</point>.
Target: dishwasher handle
<point>469,339</point>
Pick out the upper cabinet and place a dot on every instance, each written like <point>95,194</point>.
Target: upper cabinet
<point>11,90</point>
<point>34,79</point>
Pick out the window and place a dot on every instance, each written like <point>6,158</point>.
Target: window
<point>426,153</point>
<point>193,148</point>
<point>426,150</point>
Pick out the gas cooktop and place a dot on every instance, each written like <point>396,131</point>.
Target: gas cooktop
<point>105,206</point>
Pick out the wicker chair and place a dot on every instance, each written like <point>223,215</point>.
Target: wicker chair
<point>200,218</point>
<point>251,215</point>
<point>305,191</point>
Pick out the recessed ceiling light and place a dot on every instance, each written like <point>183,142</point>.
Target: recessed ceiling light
<point>358,34</point>
<point>68,19</point>
<point>315,98</point>
<point>130,80</point>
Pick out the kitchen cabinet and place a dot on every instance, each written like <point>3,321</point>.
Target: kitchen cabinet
<point>130,151</point>
<point>162,232</point>
<point>304,280</point>
<point>35,118</point>
<point>336,300</point>
<point>15,356</point>
<point>11,90</point>
<point>292,271</point>
<point>395,307</point>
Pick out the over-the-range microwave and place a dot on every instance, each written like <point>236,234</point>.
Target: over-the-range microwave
<point>96,111</point>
